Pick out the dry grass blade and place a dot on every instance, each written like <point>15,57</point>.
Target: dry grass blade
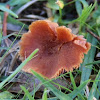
<point>35,17</point>
<point>25,6</point>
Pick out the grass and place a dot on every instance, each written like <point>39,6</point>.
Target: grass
<point>82,86</point>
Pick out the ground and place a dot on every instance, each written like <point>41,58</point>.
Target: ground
<point>82,17</point>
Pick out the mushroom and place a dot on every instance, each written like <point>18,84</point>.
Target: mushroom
<point>59,49</point>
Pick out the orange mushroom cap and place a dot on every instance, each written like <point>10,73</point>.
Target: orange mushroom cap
<point>59,49</point>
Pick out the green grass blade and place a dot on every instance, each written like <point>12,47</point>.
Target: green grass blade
<point>72,80</point>
<point>94,62</point>
<point>59,94</point>
<point>84,2</point>
<point>14,21</point>
<point>93,90</point>
<point>3,8</point>
<point>51,4</point>
<point>52,98</point>
<point>86,71</point>
<point>78,90</point>
<point>0,24</point>
<point>0,30</point>
<point>11,99</point>
<point>27,93</point>
<point>0,37</point>
<point>3,48</point>
<point>5,37</point>
<point>17,2</point>
<point>44,97</point>
<point>67,89</point>
<point>19,68</point>
<point>97,93</point>
<point>85,13</point>
<point>78,8</point>
<point>6,95</point>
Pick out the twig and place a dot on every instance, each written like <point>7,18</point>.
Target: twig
<point>5,22</point>
<point>94,35</point>
<point>25,6</point>
<point>13,62</point>
<point>5,26</point>
<point>5,42</point>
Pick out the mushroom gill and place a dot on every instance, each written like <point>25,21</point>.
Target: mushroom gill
<point>59,48</point>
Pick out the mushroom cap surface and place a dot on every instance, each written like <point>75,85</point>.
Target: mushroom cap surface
<point>59,48</point>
